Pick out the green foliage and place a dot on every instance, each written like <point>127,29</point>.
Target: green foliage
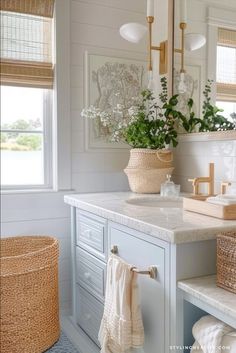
<point>22,124</point>
<point>212,119</point>
<point>18,142</point>
<point>33,142</point>
<point>3,137</point>
<point>154,126</point>
<point>190,123</point>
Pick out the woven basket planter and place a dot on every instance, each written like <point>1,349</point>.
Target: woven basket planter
<point>226,261</point>
<point>147,181</point>
<point>151,159</point>
<point>147,169</point>
<point>29,294</point>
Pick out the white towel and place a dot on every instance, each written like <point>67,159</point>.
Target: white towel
<point>224,200</point>
<point>121,326</point>
<point>211,334</point>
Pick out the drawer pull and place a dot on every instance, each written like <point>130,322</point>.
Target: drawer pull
<point>114,249</point>
<point>87,275</point>
<point>151,271</point>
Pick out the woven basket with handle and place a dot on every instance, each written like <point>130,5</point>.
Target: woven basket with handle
<point>226,261</point>
<point>147,181</point>
<point>150,159</point>
<point>29,294</point>
<point>147,169</point>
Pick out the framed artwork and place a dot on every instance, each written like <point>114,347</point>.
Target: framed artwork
<point>110,81</point>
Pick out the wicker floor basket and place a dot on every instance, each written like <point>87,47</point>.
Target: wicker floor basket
<point>226,261</point>
<point>29,294</point>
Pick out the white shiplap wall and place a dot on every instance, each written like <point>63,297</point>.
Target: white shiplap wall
<point>95,27</point>
<point>41,214</point>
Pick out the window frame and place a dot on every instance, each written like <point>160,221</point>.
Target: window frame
<point>47,147</point>
<point>224,86</point>
<point>227,21</point>
<point>60,105</point>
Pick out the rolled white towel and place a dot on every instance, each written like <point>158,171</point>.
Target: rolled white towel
<point>211,334</point>
<point>228,341</point>
<point>224,200</point>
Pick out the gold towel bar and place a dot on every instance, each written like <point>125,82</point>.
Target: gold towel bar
<point>152,270</point>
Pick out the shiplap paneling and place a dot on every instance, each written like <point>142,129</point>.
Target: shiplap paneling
<point>34,223</point>
<point>95,28</point>
<point>134,6</point>
<point>102,15</point>
<point>78,50</point>
<point>102,36</point>
<point>33,206</point>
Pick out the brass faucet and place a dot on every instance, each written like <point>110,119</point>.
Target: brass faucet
<point>223,187</point>
<point>210,180</point>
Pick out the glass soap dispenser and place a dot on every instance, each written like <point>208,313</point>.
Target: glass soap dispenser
<point>169,188</point>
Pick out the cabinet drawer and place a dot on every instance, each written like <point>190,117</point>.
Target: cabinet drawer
<point>89,312</point>
<point>90,273</point>
<point>91,233</point>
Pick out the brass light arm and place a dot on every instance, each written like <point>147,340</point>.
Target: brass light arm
<point>150,20</point>
<point>155,48</point>
<point>163,48</point>
<point>181,51</point>
<point>178,51</point>
<point>182,27</point>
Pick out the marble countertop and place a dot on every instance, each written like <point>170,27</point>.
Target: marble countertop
<point>205,289</point>
<point>173,225</point>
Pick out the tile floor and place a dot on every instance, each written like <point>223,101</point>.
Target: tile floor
<point>62,346</point>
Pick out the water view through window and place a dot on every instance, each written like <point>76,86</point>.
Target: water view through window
<point>22,155</point>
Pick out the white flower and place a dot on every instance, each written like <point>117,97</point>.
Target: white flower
<point>91,112</point>
<point>133,111</point>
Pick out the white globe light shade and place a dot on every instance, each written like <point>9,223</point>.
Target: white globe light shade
<point>194,41</point>
<point>133,32</point>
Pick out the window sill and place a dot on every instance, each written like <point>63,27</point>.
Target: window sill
<point>208,136</point>
<point>34,191</point>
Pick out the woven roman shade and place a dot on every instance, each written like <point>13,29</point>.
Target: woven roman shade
<point>226,65</point>
<point>226,92</point>
<point>42,8</point>
<point>226,37</point>
<point>26,43</point>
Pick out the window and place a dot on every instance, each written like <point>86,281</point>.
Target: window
<point>26,94</point>
<point>25,128</point>
<point>226,72</point>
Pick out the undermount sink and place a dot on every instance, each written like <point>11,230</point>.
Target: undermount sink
<point>158,201</point>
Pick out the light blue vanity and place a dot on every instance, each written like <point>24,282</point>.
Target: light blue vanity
<point>147,231</point>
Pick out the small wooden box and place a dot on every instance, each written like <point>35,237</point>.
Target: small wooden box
<point>198,204</point>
